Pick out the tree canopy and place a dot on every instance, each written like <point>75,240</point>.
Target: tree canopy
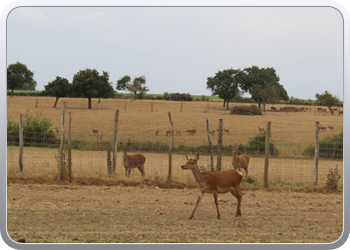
<point>89,84</point>
<point>262,84</point>
<point>137,86</point>
<point>225,85</point>
<point>60,87</point>
<point>17,75</point>
<point>328,100</point>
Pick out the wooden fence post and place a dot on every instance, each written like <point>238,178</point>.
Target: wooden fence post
<point>267,153</point>
<point>20,142</point>
<point>181,106</point>
<point>109,161</point>
<point>101,142</point>
<point>60,164</point>
<point>151,106</point>
<point>69,147</point>
<point>170,149</point>
<point>316,153</point>
<point>116,120</point>
<point>211,147</point>
<point>218,167</point>
<point>36,103</point>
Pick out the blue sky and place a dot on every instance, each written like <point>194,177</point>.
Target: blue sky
<point>177,48</point>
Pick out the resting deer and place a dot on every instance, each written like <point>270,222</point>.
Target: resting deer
<point>240,161</point>
<point>215,183</point>
<point>133,161</point>
<point>94,131</point>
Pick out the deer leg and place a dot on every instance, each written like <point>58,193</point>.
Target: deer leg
<point>246,171</point>
<point>198,200</point>
<point>236,192</point>
<point>140,168</point>
<point>216,204</point>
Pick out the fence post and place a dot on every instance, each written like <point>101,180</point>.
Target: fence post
<point>151,106</point>
<point>317,151</point>
<point>116,120</point>
<point>60,164</point>
<point>101,142</point>
<point>20,143</point>
<point>181,106</point>
<point>109,162</point>
<point>170,149</point>
<point>218,164</point>
<point>69,147</point>
<point>211,148</point>
<point>267,152</point>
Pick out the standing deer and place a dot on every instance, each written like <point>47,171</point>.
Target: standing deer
<point>157,132</point>
<point>261,129</point>
<point>215,183</point>
<point>167,132</point>
<point>239,161</point>
<point>57,131</point>
<point>94,131</point>
<point>226,131</point>
<point>133,161</point>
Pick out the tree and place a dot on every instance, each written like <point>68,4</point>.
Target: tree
<point>60,87</point>
<point>262,84</point>
<point>89,84</point>
<point>17,75</point>
<point>328,100</point>
<point>225,85</point>
<point>136,86</point>
<point>30,85</point>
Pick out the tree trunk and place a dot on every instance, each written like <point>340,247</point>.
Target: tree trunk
<point>11,92</point>
<point>227,104</point>
<point>89,105</point>
<point>224,103</point>
<point>331,110</point>
<point>54,106</point>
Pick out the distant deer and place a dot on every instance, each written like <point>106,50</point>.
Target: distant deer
<point>191,131</point>
<point>167,132</point>
<point>322,127</point>
<point>240,161</point>
<point>226,131</point>
<point>133,161</point>
<point>94,131</point>
<point>331,127</point>
<point>157,132</point>
<point>215,183</point>
<point>57,131</point>
<point>261,129</point>
<point>212,132</point>
<point>178,132</point>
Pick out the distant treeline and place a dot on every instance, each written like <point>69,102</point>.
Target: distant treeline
<point>178,97</point>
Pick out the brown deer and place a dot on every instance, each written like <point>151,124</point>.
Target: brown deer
<point>261,129</point>
<point>191,131</point>
<point>94,131</point>
<point>157,132</point>
<point>178,132</point>
<point>331,127</point>
<point>240,161</point>
<point>133,161</point>
<point>57,131</point>
<point>322,127</point>
<point>167,132</point>
<point>212,132</point>
<point>215,183</point>
<point>226,131</point>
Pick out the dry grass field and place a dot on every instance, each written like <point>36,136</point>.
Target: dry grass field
<point>75,213</point>
<point>291,133</point>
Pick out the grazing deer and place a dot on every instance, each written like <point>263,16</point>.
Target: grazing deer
<point>191,131</point>
<point>331,127</point>
<point>273,108</point>
<point>240,161</point>
<point>94,131</point>
<point>157,132</point>
<point>167,132</point>
<point>212,132</point>
<point>226,131</point>
<point>261,129</point>
<point>322,128</point>
<point>57,131</point>
<point>215,183</point>
<point>133,161</point>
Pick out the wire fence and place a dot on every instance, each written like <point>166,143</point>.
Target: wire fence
<point>287,163</point>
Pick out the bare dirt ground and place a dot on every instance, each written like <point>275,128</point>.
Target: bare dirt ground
<point>98,214</point>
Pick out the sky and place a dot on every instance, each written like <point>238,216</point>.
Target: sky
<point>178,48</point>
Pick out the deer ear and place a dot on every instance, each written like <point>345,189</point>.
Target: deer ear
<point>197,157</point>
<point>186,157</point>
